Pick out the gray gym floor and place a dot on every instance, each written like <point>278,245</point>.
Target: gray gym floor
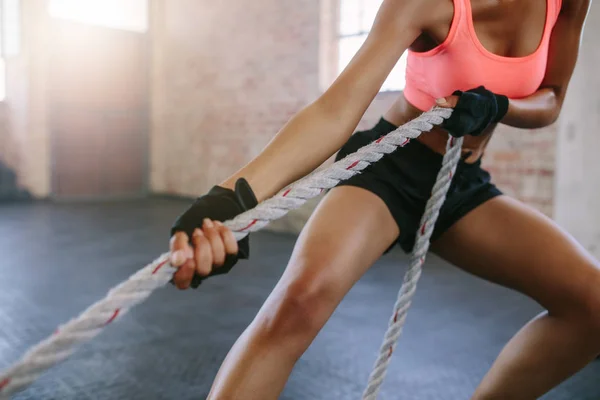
<point>58,259</point>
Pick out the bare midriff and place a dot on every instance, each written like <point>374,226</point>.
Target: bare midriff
<point>402,111</point>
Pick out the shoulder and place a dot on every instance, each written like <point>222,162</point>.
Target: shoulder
<point>574,8</point>
<point>419,13</point>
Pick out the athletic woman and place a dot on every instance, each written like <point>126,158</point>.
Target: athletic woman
<point>493,61</point>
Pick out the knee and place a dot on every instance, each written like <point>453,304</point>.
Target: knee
<point>586,305</point>
<point>299,309</point>
<point>591,304</point>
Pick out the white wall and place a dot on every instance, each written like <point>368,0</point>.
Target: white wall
<point>577,186</point>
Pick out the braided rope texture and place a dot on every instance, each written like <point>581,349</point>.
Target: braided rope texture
<point>68,337</point>
<point>417,259</point>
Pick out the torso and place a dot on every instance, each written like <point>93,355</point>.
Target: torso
<point>506,28</point>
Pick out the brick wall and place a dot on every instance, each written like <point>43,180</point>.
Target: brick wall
<point>226,79</point>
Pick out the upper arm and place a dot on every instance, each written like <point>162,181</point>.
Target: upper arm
<point>564,46</point>
<point>397,25</point>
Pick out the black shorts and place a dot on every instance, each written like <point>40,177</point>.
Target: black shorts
<point>404,179</point>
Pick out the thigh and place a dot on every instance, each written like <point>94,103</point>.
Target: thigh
<point>508,243</point>
<point>346,234</point>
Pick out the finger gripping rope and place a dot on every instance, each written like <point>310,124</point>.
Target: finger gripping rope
<point>139,286</point>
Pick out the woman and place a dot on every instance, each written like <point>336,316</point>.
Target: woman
<point>495,62</point>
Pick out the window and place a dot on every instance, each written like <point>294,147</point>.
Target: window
<point>355,20</point>
<point>2,80</point>
<point>10,35</point>
<point>131,15</point>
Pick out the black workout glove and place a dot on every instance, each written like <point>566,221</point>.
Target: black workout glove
<point>475,111</point>
<point>219,204</point>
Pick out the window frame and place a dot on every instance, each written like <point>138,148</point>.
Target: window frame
<point>332,38</point>
<point>15,50</point>
<point>3,75</point>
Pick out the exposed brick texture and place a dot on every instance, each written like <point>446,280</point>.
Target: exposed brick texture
<point>522,164</point>
<point>227,78</point>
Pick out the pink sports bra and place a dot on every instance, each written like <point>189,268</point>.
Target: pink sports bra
<point>462,63</point>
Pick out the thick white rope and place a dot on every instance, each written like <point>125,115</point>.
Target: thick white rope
<point>139,286</point>
<point>417,259</point>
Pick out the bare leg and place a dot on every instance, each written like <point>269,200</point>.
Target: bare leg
<point>348,232</point>
<point>506,242</point>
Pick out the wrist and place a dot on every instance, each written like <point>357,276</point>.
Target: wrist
<point>503,104</point>
<point>263,185</point>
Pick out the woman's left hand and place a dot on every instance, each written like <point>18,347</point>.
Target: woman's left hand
<point>474,111</point>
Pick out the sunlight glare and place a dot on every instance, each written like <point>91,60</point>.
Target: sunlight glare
<point>118,14</point>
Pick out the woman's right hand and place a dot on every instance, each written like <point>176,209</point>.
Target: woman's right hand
<point>204,253</point>
<point>474,111</point>
<point>201,246</point>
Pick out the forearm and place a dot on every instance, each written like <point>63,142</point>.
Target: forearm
<point>303,144</point>
<point>536,111</point>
